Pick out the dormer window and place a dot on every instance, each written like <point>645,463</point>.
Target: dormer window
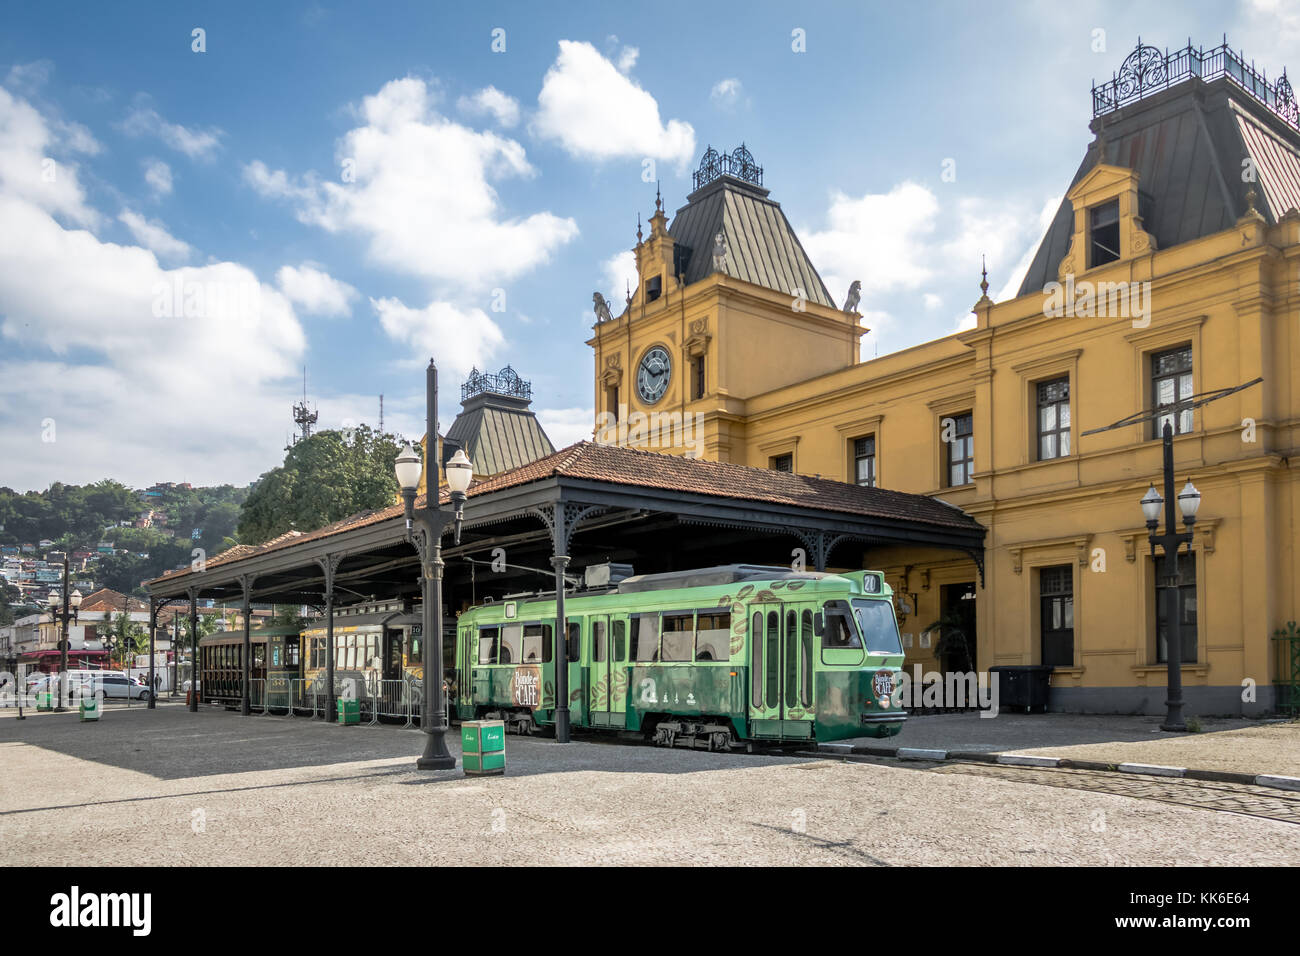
<point>1103,233</point>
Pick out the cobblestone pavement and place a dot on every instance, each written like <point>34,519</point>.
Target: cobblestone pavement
<point>171,788</point>
<point>1248,800</point>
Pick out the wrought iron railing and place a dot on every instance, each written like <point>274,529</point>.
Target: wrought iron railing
<point>739,163</point>
<point>1147,70</point>
<point>1288,668</point>
<point>505,382</point>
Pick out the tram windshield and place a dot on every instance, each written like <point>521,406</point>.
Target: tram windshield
<point>878,627</point>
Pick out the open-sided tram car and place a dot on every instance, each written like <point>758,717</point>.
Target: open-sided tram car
<point>718,658</point>
<point>221,663</point>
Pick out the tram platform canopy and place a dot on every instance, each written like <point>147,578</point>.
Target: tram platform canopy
<point>594,503</point>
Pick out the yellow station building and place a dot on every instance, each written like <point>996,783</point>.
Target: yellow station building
<point>1170,271</point>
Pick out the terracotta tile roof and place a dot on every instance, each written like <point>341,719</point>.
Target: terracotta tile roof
<point>592,461</point>
<point>106,599</point>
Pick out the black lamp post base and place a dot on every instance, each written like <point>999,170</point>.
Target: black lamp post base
<point>436,763</point>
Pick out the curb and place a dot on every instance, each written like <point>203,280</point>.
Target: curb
<point>1273,781</point>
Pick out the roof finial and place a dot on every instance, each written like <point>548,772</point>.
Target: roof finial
<point>659,202</point>
<point>638,229</point>
<point>984,274</point>
<point>628,285</point>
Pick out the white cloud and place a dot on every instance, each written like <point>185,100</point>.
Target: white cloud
<point>1011,288</point>
<point>29,77</point>
<point>200,144</point>
<point>880,239</point>
<point>459,338</point>
<point>422,194</point>
<point>158,176</point>
<point>491,101</point>
<point>30,166</point>
<point>315,291</point>
<point>153,235</point>
<point>627,58</point>
<point>931,301</point>
<point>726,93</point>
<point>140,335</point>
<point>564,426</point>
<point>619,274</point>
<point>596,112</point>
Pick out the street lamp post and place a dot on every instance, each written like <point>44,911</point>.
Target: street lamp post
<point>71,602</point>
<point>1189,500</point>
<point>424,526</point>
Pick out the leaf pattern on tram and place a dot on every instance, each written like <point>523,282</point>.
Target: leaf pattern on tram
<point>618,688</point>
<point>777,585</point>
<point>744,592</point>
<point>576,695</point>
<point>765,595</point>
<point>725,599</point>
<point>598,693</point>
<point>795,585</point>
<point>737,643</point>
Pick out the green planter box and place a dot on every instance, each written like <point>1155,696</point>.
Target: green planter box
<point>349,711</point>
<point>90,709</point>
<point>483,747</point>
<point>45,701</point>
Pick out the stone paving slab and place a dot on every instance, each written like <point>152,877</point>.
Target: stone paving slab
<point>170,788</point>
<point>1236,745</point>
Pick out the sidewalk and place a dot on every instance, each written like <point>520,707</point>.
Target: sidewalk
<point>1225,745</point>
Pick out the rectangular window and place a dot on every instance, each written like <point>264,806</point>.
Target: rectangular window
<point>791,659</point>
<point>645,637</point>
<point>772,663</point>
<point>1056,615</point>
<point>1186,609</point>
<point>1103,233</point>
<point>611,401</point>
<point>697,378</point>
<point>1171,382</point>
<point>678,637</point>
<point>512,644</point>
<point>1054,419</point>
<point>960,439</point>
<point>756,658</point>
<point>536,643</point>
<point>781,462</point>
<point>620,641</point>
<point>864,461</point>
<point>415,650</point>
<point>574,649</point>
<point>713,636</point>
<point>805,657</point>
<point>597,641</point>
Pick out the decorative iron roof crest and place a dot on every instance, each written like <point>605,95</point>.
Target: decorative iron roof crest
<point>506,382</point>
<point>739,163</point>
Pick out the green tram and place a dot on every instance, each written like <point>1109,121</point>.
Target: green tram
<point>716,658</point>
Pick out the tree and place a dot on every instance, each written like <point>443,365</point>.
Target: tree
<point>324,479</point>
<point>124,638</point>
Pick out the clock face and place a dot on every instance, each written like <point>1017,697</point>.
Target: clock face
<point>653,374</point>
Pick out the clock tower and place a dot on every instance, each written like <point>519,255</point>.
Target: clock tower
<point>727,306</point>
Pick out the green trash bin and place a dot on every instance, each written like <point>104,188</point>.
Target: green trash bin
<point>483,747</point>
<point>89,708</point>
<point>349,711</point>
<point>45,700</point>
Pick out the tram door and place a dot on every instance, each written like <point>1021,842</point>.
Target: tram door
<point>607,686</point>
<point>780,670</point>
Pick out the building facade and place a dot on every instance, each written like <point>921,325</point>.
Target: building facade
<point>1167,278</point>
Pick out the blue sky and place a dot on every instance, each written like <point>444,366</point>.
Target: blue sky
<point>355,187</point>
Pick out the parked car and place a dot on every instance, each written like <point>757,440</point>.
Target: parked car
<point>114,684</point>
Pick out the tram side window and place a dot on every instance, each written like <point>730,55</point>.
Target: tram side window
<point>574,650</point>
<point>620,641</point>
<point>678,637</point>
<point>791,661</point>
<point>512,640</point>
<point>415,650</point>
<point>839,631</point>
<point>756,657</point>
<point>536,647</point>
<point>806,658</point>
<point>487,644</point>
<point>645,637</point>
<point>713,636</point>
<point>597,641</point>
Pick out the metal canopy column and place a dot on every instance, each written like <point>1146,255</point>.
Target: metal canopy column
<point>330,565</point>
<point>194,649</point>
<point>153,627</point>
<point>246,584</point>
